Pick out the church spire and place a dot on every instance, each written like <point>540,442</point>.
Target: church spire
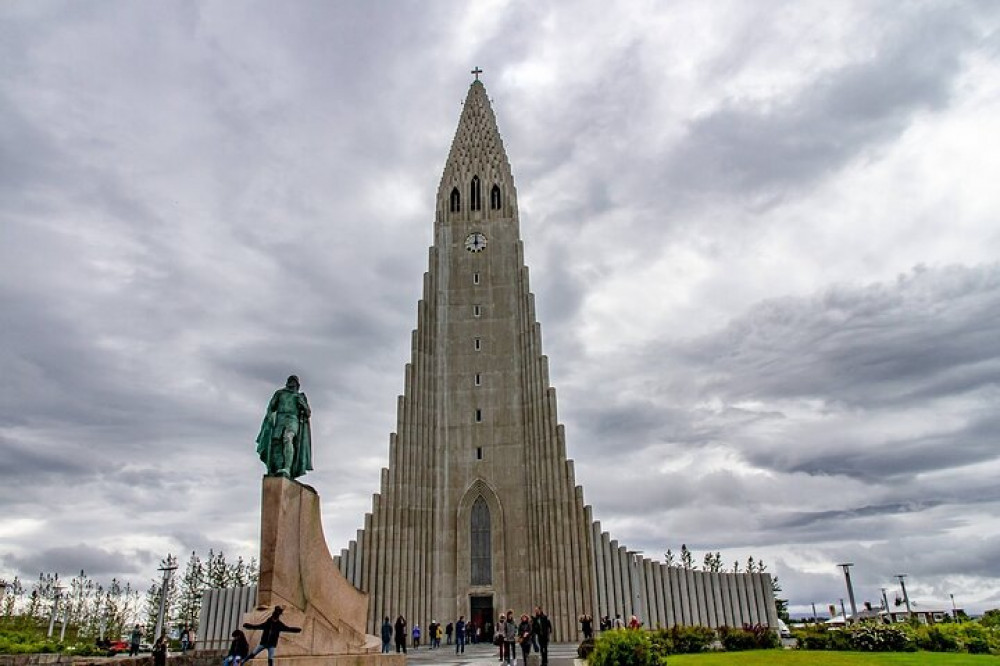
<point>477,176</point>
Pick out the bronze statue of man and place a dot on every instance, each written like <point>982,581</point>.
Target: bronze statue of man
<point>284,443</point>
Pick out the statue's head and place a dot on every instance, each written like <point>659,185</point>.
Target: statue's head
<point>293,382</point>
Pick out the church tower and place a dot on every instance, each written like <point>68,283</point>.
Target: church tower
<point>478,511</point>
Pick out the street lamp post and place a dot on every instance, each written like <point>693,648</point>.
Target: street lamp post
<point>906,597</point>
<point>885,602</point>
<point>55,609</point>
<point>954,610</point>
<point>850,589</point>
<point>167,572</point>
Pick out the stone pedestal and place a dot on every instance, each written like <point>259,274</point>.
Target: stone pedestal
<point>298,574</point>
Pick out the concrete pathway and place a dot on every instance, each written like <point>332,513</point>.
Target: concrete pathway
<point>484,654</point>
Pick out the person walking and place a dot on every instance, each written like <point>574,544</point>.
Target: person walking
<point>510,638</point>
<point>400,634</point>
<point>460,635</point>
<point>542,630</point>
<point>587,626</point>
<point>160,651</point>
<point>449,631</point>
<point>416,635</point>
<point>239,648</point>
<point>185,637</point>
<point>498,635</point>
<point>272,628</point>
<point>133,641</point>
<point>524,637</point>
<point>386,634</point>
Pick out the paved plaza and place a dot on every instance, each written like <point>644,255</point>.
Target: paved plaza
<point>485,654</point>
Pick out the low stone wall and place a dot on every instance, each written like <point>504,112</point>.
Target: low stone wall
<point>198,658</point>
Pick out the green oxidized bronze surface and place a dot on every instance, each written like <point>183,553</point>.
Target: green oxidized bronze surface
<point>284,443</point>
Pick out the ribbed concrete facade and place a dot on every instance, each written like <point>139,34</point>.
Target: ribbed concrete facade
<point>479,508</point>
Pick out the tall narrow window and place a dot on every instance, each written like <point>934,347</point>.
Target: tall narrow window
<point>456,200</point>
<point>479,344</point>
<point>495,198</point>
<point>479,416</point>
<point>475,278</point>
<point>479,379</point>
<point>481,551</point>
<point>475,202</point>
<point>479,453</point>
<point>476,311</point>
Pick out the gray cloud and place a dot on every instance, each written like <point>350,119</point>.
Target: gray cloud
<point>200,199</point>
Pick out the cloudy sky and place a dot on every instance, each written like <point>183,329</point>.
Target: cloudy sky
<point>763,239</point>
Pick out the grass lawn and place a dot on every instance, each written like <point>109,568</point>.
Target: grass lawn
<point>821,658</point>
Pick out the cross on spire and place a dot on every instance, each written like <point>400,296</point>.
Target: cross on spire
<point>477,72</point>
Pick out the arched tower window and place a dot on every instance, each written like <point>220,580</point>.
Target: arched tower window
<point>475,202</point>
<point>481,552</point>
<point>495,198</point>
<point>456,200</point>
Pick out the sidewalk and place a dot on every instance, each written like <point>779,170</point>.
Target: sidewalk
<point>484,654</point>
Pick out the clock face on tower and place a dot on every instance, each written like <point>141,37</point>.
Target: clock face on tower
<point>475,242</point>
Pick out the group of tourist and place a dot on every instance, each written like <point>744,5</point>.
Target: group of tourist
<point>531,632</point>
<point>271,630</point>
<point>528,632</point>
<point>608,624</point>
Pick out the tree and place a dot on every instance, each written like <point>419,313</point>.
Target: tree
<point>43,596</point>
<point>712,562</point>
<point>120,608</point>
<point>687,560</point>
<point>79,603</point>
<point>781,605</point>
<point>238,573</point>
<point>216,570</point>
<point>669,559</point>
<point>191,589</point>
<point>12,595</point>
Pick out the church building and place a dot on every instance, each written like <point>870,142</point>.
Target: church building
<point>478,510</point>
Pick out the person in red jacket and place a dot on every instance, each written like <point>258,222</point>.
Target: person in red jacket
<point>272,627</point>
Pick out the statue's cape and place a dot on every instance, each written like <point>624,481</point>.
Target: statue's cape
<point>303,445</point>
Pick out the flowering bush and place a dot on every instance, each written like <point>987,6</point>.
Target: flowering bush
<point>869,637</point>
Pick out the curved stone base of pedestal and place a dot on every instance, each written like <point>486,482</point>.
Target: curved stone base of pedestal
<point>298,574</point>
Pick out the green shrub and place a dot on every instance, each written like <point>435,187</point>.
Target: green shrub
<point>683,640</point>
<point>755,637</point>
<point>978,646</point>
<point>821,638</point>
<point>626,647</point>
<point>934,638</point>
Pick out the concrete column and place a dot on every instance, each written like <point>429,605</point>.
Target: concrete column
<point>759,610</point>
<point>609,575</point>
<point>676,596</point>
<point>741,593</point>
<point>599,603</point>
<point>649,597</point>
<point>720,613</point>
<point>771,608</point>
<point>727,601</point>
<point>661,600</point>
